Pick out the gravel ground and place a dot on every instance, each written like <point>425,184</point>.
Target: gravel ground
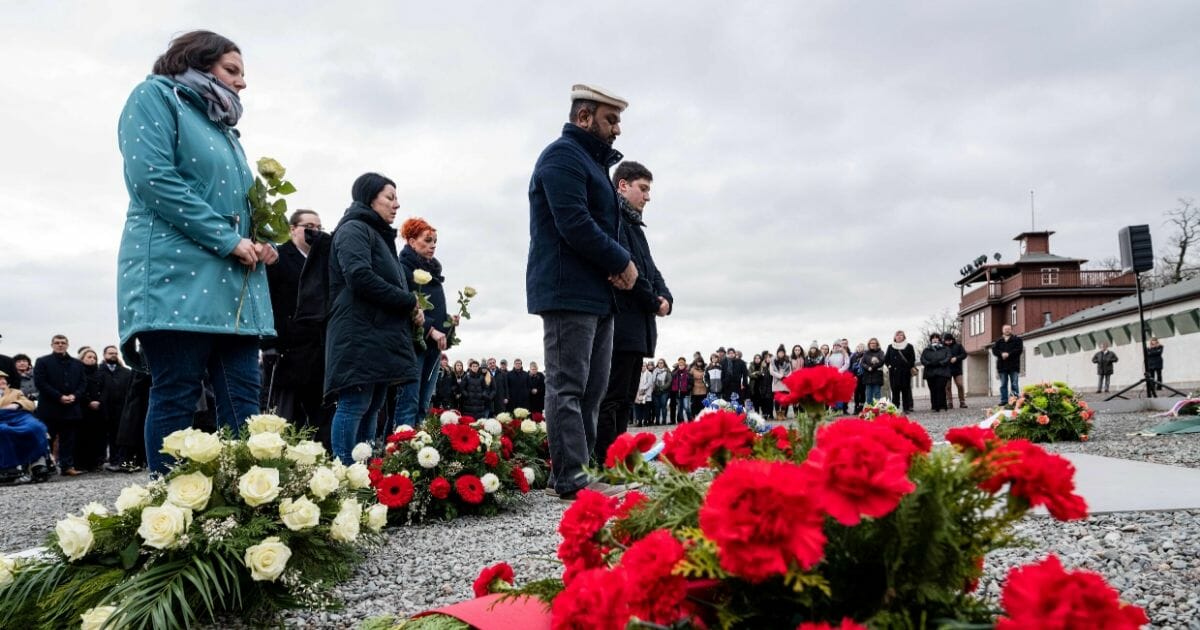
<point>1152,558</point>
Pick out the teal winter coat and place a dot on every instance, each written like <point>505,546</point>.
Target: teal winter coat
<point>187,179</point>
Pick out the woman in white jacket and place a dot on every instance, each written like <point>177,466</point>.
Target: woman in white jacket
<point>644,394</point>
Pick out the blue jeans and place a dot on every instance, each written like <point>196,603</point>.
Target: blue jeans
<point>1009,384</point>
<point>179,362</point>
<point>578,350</point>
<point>660,406</point>
<point>354,421</point>
<point>412,399</point>
<point>873,393</point>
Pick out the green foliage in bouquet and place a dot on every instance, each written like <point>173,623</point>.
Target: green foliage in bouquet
<point>840,519</point>
<point>1046,412</point>
<point>449,466</point>
<point>244,524</point>
<point>268,218</point>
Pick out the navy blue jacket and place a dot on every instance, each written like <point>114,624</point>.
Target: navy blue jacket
<point>573,227</point>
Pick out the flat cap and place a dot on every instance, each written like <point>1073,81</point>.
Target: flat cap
<point>582,91</point>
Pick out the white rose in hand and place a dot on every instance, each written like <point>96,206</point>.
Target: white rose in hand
<point>422,277</point>
<point>267,559</point>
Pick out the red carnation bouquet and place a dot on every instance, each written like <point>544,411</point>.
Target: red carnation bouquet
<point>845,523</point>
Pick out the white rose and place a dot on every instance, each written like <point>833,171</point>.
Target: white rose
<point>190,491</point>
<point>404,427</point>
<point>542,427</point>
<point>95,618</point>
<point>521,412</point>
<point>493,426</point>
<point>358,476</point>
<point>449,417</point>
<point>132,497</point>
<point>503,416</point>
<point>74,536</point>
<point>422,277</point>
<point>345,525</point>
<point>377,517</point>
<point>361,452</point>
<point>267,559</point>
<point>491,483</point>
<point>266,445</point>
<point>529,474</point>
<point>323,482</point>
<point>265,423</point>
<point>299,514</point>
<point>173,443</point>
<point>306,452</point>
<point>259,485</point>
<point>161,526</point>
<point>200,447</point>
<point>7,566</point>
<point>528,426</point>
<point>339,469</point>
<point>94,508</point>
<point>428,457</point>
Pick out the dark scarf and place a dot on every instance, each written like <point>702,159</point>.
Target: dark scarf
<point>411,258</point>
<point>224,105</point>
<point>628,212</point>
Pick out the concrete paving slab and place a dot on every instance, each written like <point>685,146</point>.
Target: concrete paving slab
<point>1121,485</point>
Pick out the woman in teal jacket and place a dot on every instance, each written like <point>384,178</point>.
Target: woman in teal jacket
<point>191,289</point>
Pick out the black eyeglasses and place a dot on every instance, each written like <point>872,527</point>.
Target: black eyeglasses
<point>310,226</point>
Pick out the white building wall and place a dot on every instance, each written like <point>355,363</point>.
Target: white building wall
<point>1181,354</point>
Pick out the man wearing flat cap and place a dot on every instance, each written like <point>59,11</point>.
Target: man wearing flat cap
<point>575,260</point>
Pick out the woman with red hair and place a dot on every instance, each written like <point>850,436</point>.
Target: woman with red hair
<point>420,243</point>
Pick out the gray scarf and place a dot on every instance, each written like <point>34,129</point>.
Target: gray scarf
<point>224,106</point>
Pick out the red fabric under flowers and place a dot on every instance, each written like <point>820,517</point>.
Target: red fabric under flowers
<point>463,438</point>
<point>691,445</point>
<point>439,488</point>
<point>820,384</point>
<point>578,528</point>
<point>763,518</point>
<point>595,600</point>
<point>628,448</point>
<point>470,488</point>
<point>1045,596</point>
<point>1038,477</point>
<point>394,491</point>
<point>483,583</point>
<point>861,469</point>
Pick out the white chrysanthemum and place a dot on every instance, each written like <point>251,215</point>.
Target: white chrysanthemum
<point>449,417</point>
<point>428,457</point>
<point>491,483</point>
<point>132,497</point>
<point>323,482</point>
<point>265,423</point>
<point>493,426</point>
<point>267,559</point>
<point>521,413</point>
<point>163,525</point>
<point>305,452</point>
<point>259,485</point>
<point>361,452</point>
<point>75,536</point>
<point>95,618</point>
<point>377,517</point>
<point>299,514</point>
<point>529,426</point>
<point>402,428</point>
<point>191,491</point>
<point>530,475</point>
<point>266,445</point>
<point>358,476</point>
<point>425,437</point>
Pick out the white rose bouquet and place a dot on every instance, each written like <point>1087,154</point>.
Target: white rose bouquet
<point>247,523</point>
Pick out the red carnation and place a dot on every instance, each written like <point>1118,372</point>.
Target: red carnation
<point>762,518</point>
<point>628,448</point>
<point>908,430</point>
<point>654,594</point>
<point>463,438</point>
<point>375,470</point>
<point>436,411</point>
<point>491,459</point>
<point>439,488</point>
<point>847,624</point>
<point>401,436</point>
<point>632,499</point>
<point>971,438</point>
<point>537,417</point>
<point>470,488</point>
<point>820,384</point>
<point>501,572</point>
<point>783,440</point>
<point>861,472</point>
<point>579,525</point>
<point>595,600</point>
<point>466,420</point>
<point>518,476</point>
<point>506,447</point>
<point>1043,595</point>
<point>1038,477</point>
<point>720,436</point>
<point>394,491</point>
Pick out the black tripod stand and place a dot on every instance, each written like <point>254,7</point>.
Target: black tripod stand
<point>1151,384</point>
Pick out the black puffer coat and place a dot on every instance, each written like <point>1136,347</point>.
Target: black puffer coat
<point>936,360</point>
<point>368,338</point>
<point>477,390</point>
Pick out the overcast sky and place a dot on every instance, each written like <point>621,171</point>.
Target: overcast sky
<point>822,169</point>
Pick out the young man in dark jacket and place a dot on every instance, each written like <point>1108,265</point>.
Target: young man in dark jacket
<point>958,354</point>
<point>61,382</point>
<point>574,262</point>
<point>1007,350</point>
<point>518,386</point>
<point>635,332</point>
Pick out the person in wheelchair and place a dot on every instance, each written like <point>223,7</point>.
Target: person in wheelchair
<point>24,443</point>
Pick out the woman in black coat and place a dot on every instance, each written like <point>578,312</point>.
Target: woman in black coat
<point>477,391</point>
<point>872,363</point>
<point>368,341</point>
<point>89,446</point>
<point>901,360</point>
<point>537,388</point>
<point>936,359</point>
<point>1154,365</point>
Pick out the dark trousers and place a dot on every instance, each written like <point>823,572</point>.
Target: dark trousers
<point>697,404</point>
<point>62,434</point>
<point>860,394</point>
<point>1156,376</point>
<point>901,382</point>
<point>937,392</point>
<point>616,410</point>
<point>1102,382</point>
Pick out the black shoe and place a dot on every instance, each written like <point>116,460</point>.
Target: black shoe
<point>112,467</point>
